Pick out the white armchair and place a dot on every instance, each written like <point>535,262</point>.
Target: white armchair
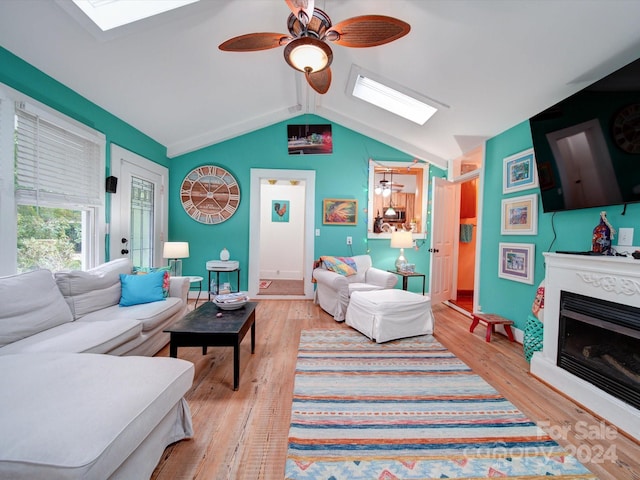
<point>333,290</point>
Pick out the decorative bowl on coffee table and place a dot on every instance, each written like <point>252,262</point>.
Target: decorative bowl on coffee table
<point>231,301</point>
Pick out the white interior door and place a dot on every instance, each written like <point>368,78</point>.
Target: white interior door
<point>138,208</point>
<point>444,221</point>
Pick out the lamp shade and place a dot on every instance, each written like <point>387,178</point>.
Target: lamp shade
<point>308,54</point>
<point>401,239</point>
<point>175,250</point>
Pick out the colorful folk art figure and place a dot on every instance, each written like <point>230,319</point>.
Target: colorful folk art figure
<point>602,235</point>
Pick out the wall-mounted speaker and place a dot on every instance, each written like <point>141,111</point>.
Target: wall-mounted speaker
<point>111,184</point>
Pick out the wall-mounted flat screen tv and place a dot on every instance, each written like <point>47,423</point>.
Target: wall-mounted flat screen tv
<point>587,147</point>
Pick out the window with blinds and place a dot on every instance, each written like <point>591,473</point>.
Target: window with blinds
<point>56,165</point>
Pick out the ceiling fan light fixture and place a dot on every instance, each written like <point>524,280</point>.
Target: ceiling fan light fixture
<point>308,54</point>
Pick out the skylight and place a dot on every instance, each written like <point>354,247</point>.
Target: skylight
<point>109,14</point>
<point>392,99</point>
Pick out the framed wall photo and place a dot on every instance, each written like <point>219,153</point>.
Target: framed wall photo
<point>339,211</point>
<point>309,139</point>
<point>519,172</point>
<point>280,211</point>
<point>520,215</point>
<point>517,262</point>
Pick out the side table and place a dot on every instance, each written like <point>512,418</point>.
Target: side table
<point>217,271</point>
<point>405,278</point>
<point>198,280</point>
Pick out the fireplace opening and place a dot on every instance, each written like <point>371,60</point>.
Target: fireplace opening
<point>599,342</point>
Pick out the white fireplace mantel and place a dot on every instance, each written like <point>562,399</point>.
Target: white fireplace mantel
<point>615,279</point>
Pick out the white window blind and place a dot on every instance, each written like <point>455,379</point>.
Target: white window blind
<point>55,165</point>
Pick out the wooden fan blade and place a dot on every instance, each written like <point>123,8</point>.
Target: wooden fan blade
<point>252,42</point>
<point>368,31</point>
<point>320,81</point>
<point>306,6</point>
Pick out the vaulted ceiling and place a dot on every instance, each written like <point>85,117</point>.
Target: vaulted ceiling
<point>494,63</point>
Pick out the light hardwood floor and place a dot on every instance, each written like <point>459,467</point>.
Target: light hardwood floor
<point>243,435</point>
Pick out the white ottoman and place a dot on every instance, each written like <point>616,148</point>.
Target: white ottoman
<point>384,315</point>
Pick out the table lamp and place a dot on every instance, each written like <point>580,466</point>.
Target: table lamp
<point>174,251</point>
<point>401,239</point>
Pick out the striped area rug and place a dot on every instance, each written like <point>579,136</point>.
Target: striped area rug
<point>407,409</point>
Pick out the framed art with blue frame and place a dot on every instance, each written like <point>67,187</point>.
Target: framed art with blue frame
<point>519,172</point>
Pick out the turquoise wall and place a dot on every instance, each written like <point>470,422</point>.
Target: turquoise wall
<point>342,174</point>
<point>573,231</point>
<point>21,76</point>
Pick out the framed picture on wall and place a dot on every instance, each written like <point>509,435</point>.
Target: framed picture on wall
<point>280,211</point>
<point>516,262</point>
<point>339,211</point>
<point>520,215</point>
<point>309,139</point>
<point>519,172</point>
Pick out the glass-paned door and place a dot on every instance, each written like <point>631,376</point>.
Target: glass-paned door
<point>141,243</point>
<point>139,209</point>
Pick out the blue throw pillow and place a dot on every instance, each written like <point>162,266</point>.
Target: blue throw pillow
<point>165,282</point>
<point>137,289</point>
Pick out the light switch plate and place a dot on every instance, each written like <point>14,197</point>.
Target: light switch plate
<point>625,236</point>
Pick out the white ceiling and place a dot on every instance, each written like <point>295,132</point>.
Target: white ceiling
<point>495,63</point>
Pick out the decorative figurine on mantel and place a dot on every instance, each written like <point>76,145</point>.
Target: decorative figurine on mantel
<point>602,235</point>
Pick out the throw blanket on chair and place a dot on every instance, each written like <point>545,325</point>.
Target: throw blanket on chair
<point>343,265</point>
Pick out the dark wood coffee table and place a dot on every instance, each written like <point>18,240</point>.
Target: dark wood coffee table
<point>202,328</point>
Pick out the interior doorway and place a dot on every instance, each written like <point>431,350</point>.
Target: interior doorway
<point>464,296</point>
<point>281,233</point>
<point>465,285</point>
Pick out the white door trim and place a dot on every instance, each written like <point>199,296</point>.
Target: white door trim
<point>479,174</point>
<point>118,156</point>
<point>257,174</point>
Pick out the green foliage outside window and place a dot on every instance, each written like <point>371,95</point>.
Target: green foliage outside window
<point>49,238</point>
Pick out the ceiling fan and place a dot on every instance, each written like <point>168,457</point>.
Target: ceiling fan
<point>385,186</point>
<point>306,48</point>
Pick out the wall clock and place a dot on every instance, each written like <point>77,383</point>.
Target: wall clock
<point>210,194</point>
<point>626,128</point>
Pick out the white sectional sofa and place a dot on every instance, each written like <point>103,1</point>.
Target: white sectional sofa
<point>70,406</point>
<point>78,311</point>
